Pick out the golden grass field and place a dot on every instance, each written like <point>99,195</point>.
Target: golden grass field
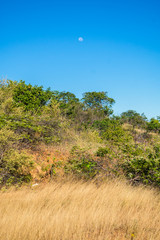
<point>77,210</point>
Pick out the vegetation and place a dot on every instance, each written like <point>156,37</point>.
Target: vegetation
<point>92,158</point>
<point>37,126</point>
<point>76,210</point>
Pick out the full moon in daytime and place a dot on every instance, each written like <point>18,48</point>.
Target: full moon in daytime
<point>80,39</point>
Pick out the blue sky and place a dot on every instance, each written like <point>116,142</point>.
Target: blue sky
<point>120,53</point>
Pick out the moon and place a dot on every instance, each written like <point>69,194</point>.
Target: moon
<point>80,39</point>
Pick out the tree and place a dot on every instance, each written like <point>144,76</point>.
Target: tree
<point>98,101</point>
<point>68,102</point>
<point>65,97</point>
<point>31,97</point>
<point>134,118</point>
<point>154,125</point>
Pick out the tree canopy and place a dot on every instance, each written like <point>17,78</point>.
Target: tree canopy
<point>31,97</point>
<point>98,101</point>
<point>134,118</point>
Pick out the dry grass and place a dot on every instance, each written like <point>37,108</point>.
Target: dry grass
<point>76,211</point>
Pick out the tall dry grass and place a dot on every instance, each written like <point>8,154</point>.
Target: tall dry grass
<point>76,211</point>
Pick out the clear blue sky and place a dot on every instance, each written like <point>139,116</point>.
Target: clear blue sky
<point>120,53</point>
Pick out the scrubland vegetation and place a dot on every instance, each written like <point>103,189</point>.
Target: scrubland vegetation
<point>47,137</point>
<point>47,134</point>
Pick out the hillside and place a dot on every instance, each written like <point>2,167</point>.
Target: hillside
<point>47,135</point>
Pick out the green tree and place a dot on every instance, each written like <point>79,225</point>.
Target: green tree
<point>153,125</point>
<point>99,102</point>
<point>134,118</point>
<point>65,97</point>
<point>32,98</point>
<point>68,103</point>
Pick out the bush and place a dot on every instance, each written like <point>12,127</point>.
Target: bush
<point>143,170</point>
<point>7,140</point>
<point>15,168</point>
<point>81,164</point>
<point>111,129</point>
<point>102,152</point>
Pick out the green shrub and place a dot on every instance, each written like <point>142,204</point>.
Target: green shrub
<point>81,164</point>
<point>8,139</point>
<point>143,170</point>
<point>102,152</point>
<point>111,130</point>
<point>15,167</point>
